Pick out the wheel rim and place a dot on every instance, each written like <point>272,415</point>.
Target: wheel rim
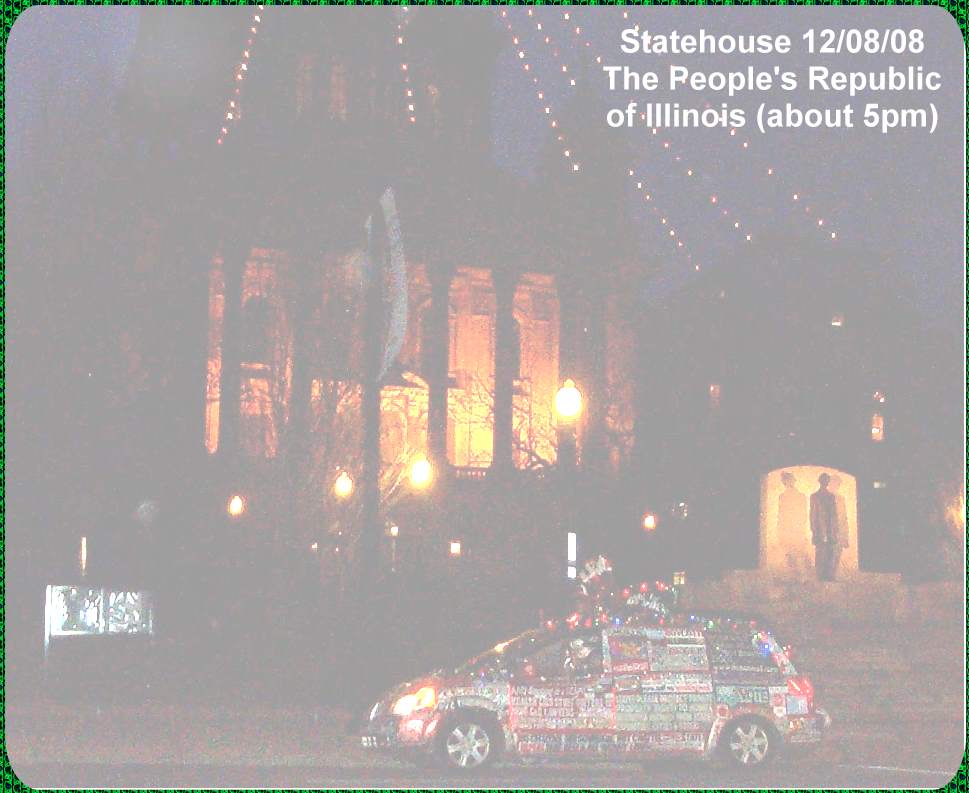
<point>749,743</point>
<point>467,746</point>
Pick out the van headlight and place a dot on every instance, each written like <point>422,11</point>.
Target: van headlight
<point>422,699</point>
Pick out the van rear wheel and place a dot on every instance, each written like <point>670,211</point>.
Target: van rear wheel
<point>748,742</point>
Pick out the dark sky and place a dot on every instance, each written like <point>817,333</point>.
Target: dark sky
<point>897,198</point>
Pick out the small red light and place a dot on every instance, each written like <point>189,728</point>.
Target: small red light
<point>802,687</point>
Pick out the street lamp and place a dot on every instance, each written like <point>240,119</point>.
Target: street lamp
<point>568,407</point>
<point>236,506</point>
<point>421,473</point>
<point>568,401</point>
<point>649,522</point>
<point>343,486</point>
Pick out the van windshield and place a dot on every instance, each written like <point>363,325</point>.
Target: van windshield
<point>505,652</point>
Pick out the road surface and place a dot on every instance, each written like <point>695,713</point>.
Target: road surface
<point>808,773</point>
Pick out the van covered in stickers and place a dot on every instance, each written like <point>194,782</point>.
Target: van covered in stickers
<point>624,686</point>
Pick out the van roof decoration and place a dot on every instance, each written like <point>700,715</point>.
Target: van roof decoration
<point>600,602</point>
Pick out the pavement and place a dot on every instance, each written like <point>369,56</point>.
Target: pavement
<point>896,695</point>
<point>659,775</point>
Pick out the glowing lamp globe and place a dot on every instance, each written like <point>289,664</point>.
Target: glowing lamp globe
<point>421,473</point>
<point>236,506</point>
<point>343,486</point>
<point>568,401</point>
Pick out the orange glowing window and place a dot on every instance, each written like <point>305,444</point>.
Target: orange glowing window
<point>877,427</point>
<point>338,91</point>
<point>837,321</point>
<point>714,392</point>
<point>257,426</point>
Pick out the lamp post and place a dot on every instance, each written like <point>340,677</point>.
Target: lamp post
<point>393,531</point>
<point>568,408</point>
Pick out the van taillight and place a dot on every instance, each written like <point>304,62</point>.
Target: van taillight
<point>801,687</point>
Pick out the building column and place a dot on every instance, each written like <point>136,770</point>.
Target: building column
<point>436,339</point>
<point>505,283</point>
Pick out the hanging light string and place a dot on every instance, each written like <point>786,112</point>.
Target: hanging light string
<point>567,148</point>
<point>410,103</point>
<point>770,171</point>
<point>735,221</point>
<point>689,171</point>
<point>230,117</point>
<point>543,102</point>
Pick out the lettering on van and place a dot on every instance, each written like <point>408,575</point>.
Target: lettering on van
<point>746,695</point>
<point>634,650</point>
<point>653,712</point>
<point>559,707</point>
<point>632,742</point>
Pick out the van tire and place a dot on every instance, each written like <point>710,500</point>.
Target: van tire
<point>749,742</point>
<point>469,740</point>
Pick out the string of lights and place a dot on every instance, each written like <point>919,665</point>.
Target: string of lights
<point>690,171</point>
<point>232,110</point>
<point>410,102</point>
<point>568,151</point>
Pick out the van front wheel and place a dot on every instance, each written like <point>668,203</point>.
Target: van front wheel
<point>469,741</point>
<point>748,742</point>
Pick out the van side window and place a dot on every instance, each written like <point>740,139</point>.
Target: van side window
<point>583,657</point>
<point>579,656</point>
<point>739,648</point>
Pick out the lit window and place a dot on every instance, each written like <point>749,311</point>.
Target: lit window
<point>837,320</point>
<point>714,391</point>
<point>679,578</point>
<point>571,547</point>
<point>878,485</point>
<point>338,91</point>
<point>570,572</point>
<point>455,548</point>
<point>877,427</point>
